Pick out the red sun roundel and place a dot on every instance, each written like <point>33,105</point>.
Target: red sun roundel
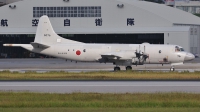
<point>78,52</point>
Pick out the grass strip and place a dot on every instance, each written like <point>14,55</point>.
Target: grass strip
<point>99,109</point>
<point>101,75</point>
<point>97,100</point>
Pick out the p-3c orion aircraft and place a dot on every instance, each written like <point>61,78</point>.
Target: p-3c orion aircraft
<point>47,42</point>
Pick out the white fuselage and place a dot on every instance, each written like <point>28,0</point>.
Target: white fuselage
<point>93,52</point>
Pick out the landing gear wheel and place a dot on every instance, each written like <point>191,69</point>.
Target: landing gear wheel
<point>116,68</point>
<point>128,68</point>
<point>172,69</point>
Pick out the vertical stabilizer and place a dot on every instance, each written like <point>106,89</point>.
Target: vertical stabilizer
<point>46,35</point>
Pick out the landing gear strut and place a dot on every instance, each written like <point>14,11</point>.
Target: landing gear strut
<point>116,68</point>
<point>128,68</point>
<point>172,69</point>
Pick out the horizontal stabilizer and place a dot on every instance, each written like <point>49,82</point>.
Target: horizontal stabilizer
<point>17,45</point>
<point>38,45</point>
<point>25,46</point>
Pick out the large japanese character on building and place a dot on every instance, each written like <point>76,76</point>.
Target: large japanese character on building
<point>67,22</point>
<point>4,22</point>
<point>35,22</point>
<point>130,21</point>
<point>98,22</point>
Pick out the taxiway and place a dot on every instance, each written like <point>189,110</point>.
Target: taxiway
<point>44,65</point>
<point>101,86</point>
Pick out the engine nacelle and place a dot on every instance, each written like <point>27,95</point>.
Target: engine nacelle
<point>126,55</point>
<point>136,61</point>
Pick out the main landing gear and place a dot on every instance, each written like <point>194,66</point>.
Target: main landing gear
<point>118,68</point>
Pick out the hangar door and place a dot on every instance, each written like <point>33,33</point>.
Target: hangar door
<point>17,52</point>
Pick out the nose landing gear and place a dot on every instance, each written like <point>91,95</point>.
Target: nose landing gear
<point>172,69</point>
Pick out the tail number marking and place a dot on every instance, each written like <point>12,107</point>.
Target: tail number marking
<point>47,35</point>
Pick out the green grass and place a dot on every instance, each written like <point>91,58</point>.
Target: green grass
<point>97,100</point>
<point>99,109</point>
<point>101,75</point>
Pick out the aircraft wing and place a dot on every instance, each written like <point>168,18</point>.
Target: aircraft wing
<point>112,55</point>
<point>120,55</point>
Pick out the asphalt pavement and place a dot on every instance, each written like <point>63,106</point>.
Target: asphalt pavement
<point>44,65</point>
<point>101,86</point>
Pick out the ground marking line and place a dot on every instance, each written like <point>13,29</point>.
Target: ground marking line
<point>99,85</point>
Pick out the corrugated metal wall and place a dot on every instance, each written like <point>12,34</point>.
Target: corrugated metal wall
<point>194,38</point>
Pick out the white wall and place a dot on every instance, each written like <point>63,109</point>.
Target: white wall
<point>112,16</point>
<point>9,1</point>
<point>178,38</point>
<point>195,39</point>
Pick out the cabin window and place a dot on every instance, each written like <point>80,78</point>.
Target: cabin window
<point>159,51</point>
<point>84,50</point>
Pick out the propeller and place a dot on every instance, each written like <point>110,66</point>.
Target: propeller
<point>145,55</point>
<point>141,56</point>
<point>138,54</point>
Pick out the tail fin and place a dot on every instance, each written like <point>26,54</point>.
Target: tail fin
<point>46,35</point>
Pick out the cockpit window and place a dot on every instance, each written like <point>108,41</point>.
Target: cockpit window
<point>178,49</point>
<point>182,49</point>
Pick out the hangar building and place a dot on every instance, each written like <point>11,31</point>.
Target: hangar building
<point>99,21</point>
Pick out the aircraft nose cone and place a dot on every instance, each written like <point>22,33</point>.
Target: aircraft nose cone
<point>189,57</point>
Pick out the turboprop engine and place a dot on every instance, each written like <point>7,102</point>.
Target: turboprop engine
<point>140,56</point>
<point>126,55</point>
